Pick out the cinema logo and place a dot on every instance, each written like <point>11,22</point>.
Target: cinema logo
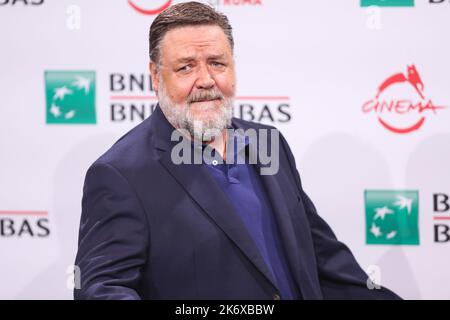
<point>132,99</point>
<point>24,224</point>
<point>149,7</point>
<point>402,115</point>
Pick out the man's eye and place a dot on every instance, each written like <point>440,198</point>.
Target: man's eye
<point>184,68</point>
<point>217,64</point>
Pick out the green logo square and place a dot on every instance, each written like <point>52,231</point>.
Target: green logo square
<point>392,217</point>
<point>387,3</point>
<point>70,97</point>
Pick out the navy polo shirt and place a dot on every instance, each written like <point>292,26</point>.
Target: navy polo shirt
<point>243,187</point>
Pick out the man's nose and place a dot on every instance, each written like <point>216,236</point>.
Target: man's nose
<point>204,79</point>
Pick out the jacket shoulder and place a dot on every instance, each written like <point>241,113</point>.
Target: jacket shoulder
<point>132,148</point>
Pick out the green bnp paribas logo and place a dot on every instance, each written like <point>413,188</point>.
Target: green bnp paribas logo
<point>70,97</point>
<point>392,217</point>
<point>387,3</point>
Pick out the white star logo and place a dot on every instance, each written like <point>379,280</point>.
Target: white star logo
<point>60,93</point>
<point>391,234</point>
<point>70,114</point>
<point>375,230</point>
<point>55,111</point>
<point>82,83</point>
<point>404,202</point>
<point>382,212</point>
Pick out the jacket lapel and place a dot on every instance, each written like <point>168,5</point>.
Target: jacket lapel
<point>289,238</point>
<point>196,181</point>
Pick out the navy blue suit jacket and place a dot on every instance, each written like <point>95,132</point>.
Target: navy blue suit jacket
<point>151,229</point>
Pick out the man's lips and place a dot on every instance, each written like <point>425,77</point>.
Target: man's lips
<point>206,100</point>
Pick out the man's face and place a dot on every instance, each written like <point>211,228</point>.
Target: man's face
<point>196,78</point>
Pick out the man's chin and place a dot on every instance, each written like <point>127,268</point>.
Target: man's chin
<point>205,121</point>
<point>206,106</point>
<point>206,114</point>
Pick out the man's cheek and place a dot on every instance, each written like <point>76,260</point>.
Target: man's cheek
<point>226,86</point>
<point>181,97</point>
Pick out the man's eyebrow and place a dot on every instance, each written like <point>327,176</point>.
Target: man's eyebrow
<point>192,58</point>
<point>185,59</point>
<point>216,56</point>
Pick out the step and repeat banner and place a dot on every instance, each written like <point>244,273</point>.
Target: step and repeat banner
<point>360,89</point>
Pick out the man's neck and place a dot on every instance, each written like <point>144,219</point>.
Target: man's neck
<point>220,144</point>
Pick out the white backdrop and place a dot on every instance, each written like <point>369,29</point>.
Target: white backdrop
<point>313,63</point>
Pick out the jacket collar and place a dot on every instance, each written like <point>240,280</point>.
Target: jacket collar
<point>197,182</point>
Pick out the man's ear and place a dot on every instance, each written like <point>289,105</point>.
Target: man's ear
<point>154,74</point>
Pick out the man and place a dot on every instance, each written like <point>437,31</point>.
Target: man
<point>155,228</point>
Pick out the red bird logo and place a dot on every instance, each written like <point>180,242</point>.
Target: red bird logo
<point>412,77</point>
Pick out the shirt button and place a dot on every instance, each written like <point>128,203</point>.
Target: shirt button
<point>214,162</point>
<point>276,297</point>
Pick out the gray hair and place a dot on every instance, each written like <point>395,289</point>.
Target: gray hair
<point>181,15</point>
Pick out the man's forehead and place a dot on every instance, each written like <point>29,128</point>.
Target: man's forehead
<point>196,31</point>
<point>186,57</point>
<point>185,40</point>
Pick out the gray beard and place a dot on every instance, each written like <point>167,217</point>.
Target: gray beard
<point>181,116</point>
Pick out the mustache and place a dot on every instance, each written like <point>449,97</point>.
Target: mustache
<point>205,95</point>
